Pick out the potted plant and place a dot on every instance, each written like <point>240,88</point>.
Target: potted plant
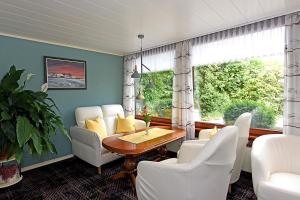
<point>147,117</point>
<point>27,118</point>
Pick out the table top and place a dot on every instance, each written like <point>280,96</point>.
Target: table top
<point>114,144</point>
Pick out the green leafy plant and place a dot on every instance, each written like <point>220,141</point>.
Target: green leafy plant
<point>146,115</point>
<point>27,118</point>
<point>262,116</point>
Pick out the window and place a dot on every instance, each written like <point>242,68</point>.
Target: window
<point>224,91</point>
<point>237,70</point>
<point>157,89</point>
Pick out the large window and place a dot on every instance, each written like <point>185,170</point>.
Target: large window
<point>224,91</point>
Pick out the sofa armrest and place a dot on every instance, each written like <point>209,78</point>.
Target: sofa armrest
<point>85,136</point>
<point>139,124</point>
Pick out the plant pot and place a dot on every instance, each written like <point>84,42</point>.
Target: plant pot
<point>9,173</point>
<point>3,153</point>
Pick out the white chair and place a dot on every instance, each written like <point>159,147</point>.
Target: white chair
<point>243,122</point>
<point>276,167</point>
<point>200,172</point>
<point>86,144</point>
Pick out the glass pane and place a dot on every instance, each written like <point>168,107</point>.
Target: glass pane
<point>157,90</point>
<point>224,91</point>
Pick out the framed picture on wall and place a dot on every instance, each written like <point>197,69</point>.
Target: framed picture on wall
<point>63,73</point>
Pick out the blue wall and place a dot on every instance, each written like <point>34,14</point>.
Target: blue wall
<point>104,81</point>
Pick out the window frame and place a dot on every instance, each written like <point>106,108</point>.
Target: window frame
<point>201,125</point>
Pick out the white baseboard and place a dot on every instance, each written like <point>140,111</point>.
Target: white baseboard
<point>48,162</point>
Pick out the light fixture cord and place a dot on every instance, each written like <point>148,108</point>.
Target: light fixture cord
<point>141,58</point>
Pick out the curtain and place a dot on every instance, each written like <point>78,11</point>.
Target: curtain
<point>292,75</point>
<point>158,59</point>
<point>183,102</point>
<point>261,39</point>
<point>128,85</point>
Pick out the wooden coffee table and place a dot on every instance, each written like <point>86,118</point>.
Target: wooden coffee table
<point>131,150</point>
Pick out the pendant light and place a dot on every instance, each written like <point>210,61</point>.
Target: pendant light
<point>136,74</point>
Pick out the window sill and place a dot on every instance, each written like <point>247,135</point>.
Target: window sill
<point>254,132</point>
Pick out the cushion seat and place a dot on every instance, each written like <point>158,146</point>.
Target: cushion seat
<point>280,186</point>
<point>104,150</point>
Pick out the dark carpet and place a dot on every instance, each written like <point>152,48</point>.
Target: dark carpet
<point>75,179</point>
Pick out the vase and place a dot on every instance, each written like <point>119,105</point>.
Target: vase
<point>147,128</point>
<point>148,124</point>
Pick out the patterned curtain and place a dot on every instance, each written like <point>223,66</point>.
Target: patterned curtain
<point>128,85</point>
<point>292,75</point>
<point>183,102</point>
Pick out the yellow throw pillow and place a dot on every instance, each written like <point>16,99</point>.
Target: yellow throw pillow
<point>125,125</point>
<point>213,133</point>
<point>96,126</point>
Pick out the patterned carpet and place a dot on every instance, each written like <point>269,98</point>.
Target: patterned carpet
<point>75,179</point>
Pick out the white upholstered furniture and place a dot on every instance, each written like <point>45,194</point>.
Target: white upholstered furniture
<point>243,123</point>
<point>86,145</point>
<point>200,172</point>
<point>276,167</point>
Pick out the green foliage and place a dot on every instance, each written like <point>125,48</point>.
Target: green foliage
<point>159,98</point>
<point>219,84</point>
<point>27,117</point>
<point>147,118</point>
<point>262,115</point>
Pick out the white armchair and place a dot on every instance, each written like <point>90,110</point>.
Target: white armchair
<point>199,172</point>
<point>276,167</point>
<point>86,144</point>
<point>243,123</point>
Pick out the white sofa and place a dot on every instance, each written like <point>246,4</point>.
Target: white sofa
<point>86,144</point>
<point>201,171</point>
<point>276,167</point>
<point>243,123</point>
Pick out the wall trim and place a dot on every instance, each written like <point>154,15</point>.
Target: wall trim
<point>47,162</point>
<point>57,43</point>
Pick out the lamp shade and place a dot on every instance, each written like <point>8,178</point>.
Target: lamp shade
<point>135,73</point>
<point>140,96</point>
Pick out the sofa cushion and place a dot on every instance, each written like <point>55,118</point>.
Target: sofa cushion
<point>83,113</point>
<point>280,186</point>
<point>125,125</point>
<point>110,116</point>
<point>96,125</point>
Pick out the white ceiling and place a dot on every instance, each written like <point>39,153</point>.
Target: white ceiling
<point>112,26</point>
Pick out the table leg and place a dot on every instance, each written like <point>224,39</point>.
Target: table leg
<point>129,170</point>
<point>162,153</point>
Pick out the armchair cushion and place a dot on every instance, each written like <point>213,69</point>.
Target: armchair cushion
<point>189,150</point>
<point>280,186</point>
<point>204,134</point>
